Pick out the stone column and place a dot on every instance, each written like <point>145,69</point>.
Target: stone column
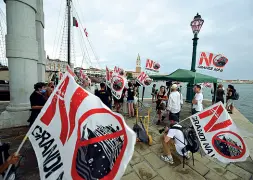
<point>22,54</point>
<point>40,39</point>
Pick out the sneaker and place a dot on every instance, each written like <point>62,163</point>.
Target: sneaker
<point>168,159</point>
<point>158,122</point>
<point>187,155</point>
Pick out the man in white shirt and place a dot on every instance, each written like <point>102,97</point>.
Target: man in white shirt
<point>197,105</point>
<point>174,104</point>
<point>173,140</point>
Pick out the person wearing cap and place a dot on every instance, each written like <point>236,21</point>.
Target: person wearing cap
<point>174,104</point>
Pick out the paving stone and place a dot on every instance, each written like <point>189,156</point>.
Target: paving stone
<point>230,176</point>
<point>202,159</point>
<point>157,178</point>
<point>179,173</point>
<point>218,162</point>
<point>157,149</point>
<point>142,148</point>
<point>199,167</point>
<point>137,158</point>
<point>239,171</point>
<point>211,175</point>
<point>128,170</point>
<point>144,171</point>
<point>156,139</point>
<point>216,168</point>
<point>154,160</point>
<point>131,176</point>
<point>246,165</point>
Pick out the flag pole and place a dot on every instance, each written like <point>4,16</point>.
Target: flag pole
<point>16,153</point>
<point>69,32</point>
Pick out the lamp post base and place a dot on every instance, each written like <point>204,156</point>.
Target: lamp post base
<point>189,93</point>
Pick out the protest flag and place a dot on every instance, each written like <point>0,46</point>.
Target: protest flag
<point>218,134</point>
<point>77,137</point>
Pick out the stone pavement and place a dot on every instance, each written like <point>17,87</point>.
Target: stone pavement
<point>145,163</point>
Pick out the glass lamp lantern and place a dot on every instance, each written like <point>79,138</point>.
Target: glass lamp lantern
<point>196,24</point>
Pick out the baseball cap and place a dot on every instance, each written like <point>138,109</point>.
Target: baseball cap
<point>174,86</point>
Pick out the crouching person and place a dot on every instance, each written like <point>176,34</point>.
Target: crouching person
<point>173,140</point>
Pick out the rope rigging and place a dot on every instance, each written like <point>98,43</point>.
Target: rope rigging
<point>86,35</point>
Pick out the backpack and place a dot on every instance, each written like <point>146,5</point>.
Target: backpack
<point>236,96</point>
<point>190,140</point>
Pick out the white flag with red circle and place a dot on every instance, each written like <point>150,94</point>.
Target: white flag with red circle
<point>118,84</point>
<point>144,80</point>
<point>77,137</point>
<point>152,65</point>
<point>218,134</point>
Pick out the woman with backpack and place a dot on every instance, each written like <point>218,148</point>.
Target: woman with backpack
<point>161,103</point>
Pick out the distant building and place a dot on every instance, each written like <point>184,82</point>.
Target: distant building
<point>92,72</point>
<point>55,66</point>
<point>137,71</point>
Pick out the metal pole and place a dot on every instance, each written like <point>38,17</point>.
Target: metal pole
<point>190,94</point>
<point>194,52</point>
<point>69,32</point>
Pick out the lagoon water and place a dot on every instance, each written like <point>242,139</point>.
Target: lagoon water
<point>244,104</point>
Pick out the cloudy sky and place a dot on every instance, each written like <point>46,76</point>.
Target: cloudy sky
<point>156,29</point>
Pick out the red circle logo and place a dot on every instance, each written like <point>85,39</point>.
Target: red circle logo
<point>229,144</point>
<point>117,83</point>
<point>220,61</point>
<point>99,148</point>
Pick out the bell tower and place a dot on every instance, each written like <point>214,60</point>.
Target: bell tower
<point>138,64</point>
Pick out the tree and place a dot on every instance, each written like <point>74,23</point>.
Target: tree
<point>129,75</point>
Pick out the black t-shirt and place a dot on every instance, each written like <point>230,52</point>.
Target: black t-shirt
<point>219,94</point>
<point>130,93</point>
<point>36,99</point>
<point>104,96</point>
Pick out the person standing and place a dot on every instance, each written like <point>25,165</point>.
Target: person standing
<point>104,95</point>
<point>230,99</point>
<point>174,104</point>
<point>130,99</point>
<point>37,100</point>
<point>220,94</point>
<point>161,103</point>
<point>153,93</point>
<point>197,105</point>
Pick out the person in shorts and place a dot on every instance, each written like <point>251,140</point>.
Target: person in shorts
<point>130,99</point>
<point>173,141</point>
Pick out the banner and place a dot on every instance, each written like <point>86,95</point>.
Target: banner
<point>212,62</point>
<point>118,83</point>
<point>144,80</point>
<point>206,85</point>
<point>218,134</point>
<point>77,137</point>
<point>108,77</point>
<point>152,65</point>
<point>118,70</point>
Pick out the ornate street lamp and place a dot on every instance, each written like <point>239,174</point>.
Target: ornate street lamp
<point>196,25</point>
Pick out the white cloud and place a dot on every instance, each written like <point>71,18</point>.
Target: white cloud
<point>157,29</point>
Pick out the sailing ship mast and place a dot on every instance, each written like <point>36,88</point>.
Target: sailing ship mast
<point>69,32</point>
